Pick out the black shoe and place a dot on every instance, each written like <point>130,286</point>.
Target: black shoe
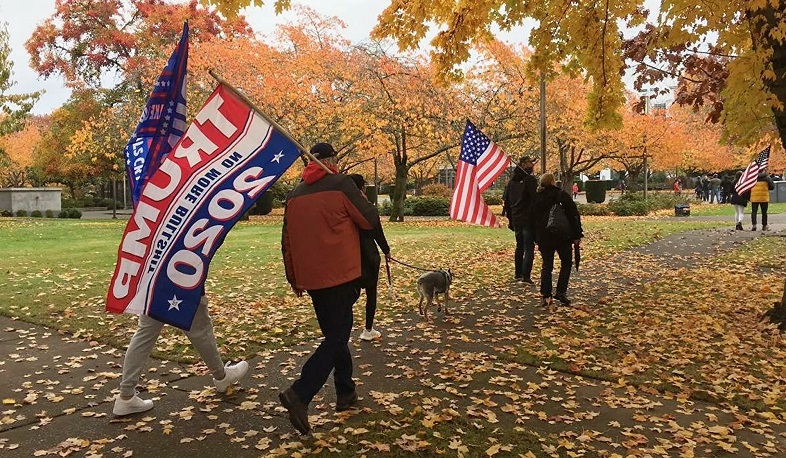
<point>298,412</point>
<point>545,301</point>
<point>739,226</point>
<point>562,298</point>
<point>753,228</point>
<point>347,401</point>
<point>528,281</point>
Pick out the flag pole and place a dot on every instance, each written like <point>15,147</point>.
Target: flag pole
<point>278,127</point>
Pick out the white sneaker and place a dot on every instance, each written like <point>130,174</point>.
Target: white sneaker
<point>370,334</point>
<point>233,373</point>
<point>133,405</point>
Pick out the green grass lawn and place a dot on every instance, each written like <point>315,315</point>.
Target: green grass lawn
<point>57,272</point>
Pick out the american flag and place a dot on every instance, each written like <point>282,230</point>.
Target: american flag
<point>481,161</point>
<point>748,178</point>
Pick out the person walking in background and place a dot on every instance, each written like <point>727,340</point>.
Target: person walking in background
<point>575,190</point>
<point>320,245</point>
<point>548,195</point>
<point>705,188</point>
<point>369,265</point>
<point>677,186</point>
<point>727,185</point>
<point>715,185</point>
<point>739,202</point>
<point>517,206</point>
<point>142,344</point>
<point>760,198</point>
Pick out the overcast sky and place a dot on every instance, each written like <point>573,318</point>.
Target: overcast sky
<point>22,16</point>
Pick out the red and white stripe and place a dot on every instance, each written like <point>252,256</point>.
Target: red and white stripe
<point>748,178</point>
<point>467,203</point>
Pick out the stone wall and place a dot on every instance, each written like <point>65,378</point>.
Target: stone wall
<point>30,199</point>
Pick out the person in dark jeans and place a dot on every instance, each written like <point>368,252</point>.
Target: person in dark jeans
<point>548,195</point>
<point>517,206</point>
<point>319,243</point>
<point>369,266</point>
<point>760,199</point>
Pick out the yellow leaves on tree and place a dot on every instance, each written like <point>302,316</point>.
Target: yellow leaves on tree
<point>19,146</point>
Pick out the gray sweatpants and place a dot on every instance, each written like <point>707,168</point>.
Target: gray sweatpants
<point>141,345</point>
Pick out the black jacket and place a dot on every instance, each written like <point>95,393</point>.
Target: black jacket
<point>545,198</point>
<point>518,199</point>
<point>369,255</point>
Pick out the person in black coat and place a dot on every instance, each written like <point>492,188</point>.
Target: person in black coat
<point>739,202</point>
<point>517,206</point>
<point>548,194</point>
<point>369,266</point>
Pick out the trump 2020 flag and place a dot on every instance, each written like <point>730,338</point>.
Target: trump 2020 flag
<point>748,179</point>
<point>226,159</point>
<point>162,122</point>
<point>480,163</point>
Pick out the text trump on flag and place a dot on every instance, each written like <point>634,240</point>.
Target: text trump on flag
<point>227,158</point>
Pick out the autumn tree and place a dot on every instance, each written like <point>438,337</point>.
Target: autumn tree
<point>578,148</point>
<point>84,42</point>
<point>16,152</point>
<point>49,159</point>
<point>14,108</point>
<point>413,119</point>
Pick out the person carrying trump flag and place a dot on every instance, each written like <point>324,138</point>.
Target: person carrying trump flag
<point>226,159</point>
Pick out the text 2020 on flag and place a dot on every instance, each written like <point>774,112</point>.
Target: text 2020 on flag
<point>751,173</point>
<point>480,163</point>
<point>226,159</point>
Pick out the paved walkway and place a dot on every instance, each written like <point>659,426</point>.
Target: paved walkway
<point>57,390</point>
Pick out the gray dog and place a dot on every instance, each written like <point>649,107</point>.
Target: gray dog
<point>429,285</point>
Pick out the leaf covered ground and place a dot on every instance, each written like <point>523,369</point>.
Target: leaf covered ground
<point>663,354</point>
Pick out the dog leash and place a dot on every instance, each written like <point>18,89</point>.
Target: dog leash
<point>409,265</point>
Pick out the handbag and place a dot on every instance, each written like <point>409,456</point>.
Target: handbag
<point>558,225</point>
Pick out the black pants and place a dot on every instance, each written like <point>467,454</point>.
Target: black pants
<point>371,297</point>
<point>755,209</point>
<point>565,258</point>
<point>525,253</point>
<point>333,307</point>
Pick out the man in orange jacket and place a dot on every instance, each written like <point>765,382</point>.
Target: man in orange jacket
<point>321,248</point>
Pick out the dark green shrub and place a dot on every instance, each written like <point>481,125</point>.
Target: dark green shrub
<point>492,197</point>
<point>6,214</point>
<point>68,203</point>
<point>428,206</point>
<point>596,191</point>
<point>385,208</point>
<point>594,209</point>
<point>75,214</point>
<point>36,214</point>
<point>263,205</point>
<point>628,207</point>
<point>21,213</point>
<point>438,190</point>
<point>49,214</point>
<point>63,213</point>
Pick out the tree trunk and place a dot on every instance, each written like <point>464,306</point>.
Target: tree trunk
<point>400,186</point>
<point>399,193</point>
